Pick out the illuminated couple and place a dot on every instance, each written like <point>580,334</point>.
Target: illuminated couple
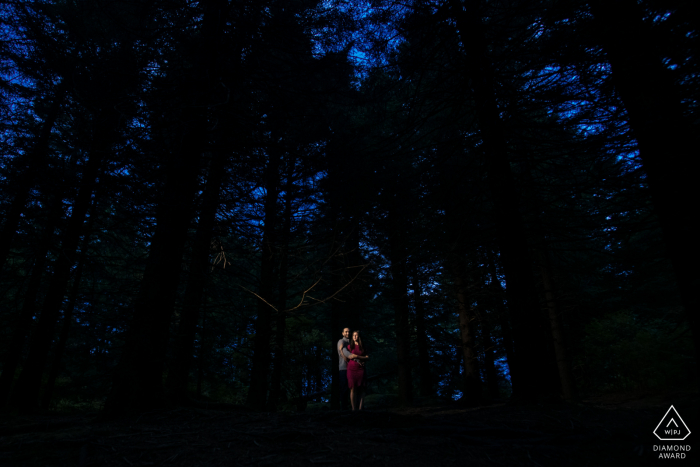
<point>352,356</point>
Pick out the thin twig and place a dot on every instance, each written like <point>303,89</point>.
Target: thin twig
<point>265,301</point>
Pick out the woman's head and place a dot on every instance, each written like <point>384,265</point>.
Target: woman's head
<point>356,340</point>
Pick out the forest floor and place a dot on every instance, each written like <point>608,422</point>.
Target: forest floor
<point>606,430</point>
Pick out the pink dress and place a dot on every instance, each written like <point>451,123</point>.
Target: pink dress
<point>356,374</point>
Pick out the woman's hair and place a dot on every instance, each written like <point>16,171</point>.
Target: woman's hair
<point>359,340</point>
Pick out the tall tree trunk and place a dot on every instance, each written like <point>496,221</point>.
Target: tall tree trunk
<point>399,284</point>
<point>529,377</point>
<point>199,267</point>
<point>339,319</point>
<point>425,383</point>
<point>566,379</point>
<point>335,332</point>
<point>667,140</point>
<point>201,355</point>
<point>497,295</point>
<point>489,361</point>
<point>279,362</point>
<point>138,378</point>
<point>55,369</point>
<point>37,161</point>
<point>257,392</point>
<point>199,271</point>
<point>467,331</point>
<point>26,393</point>
<point>281,315</point>
<point>354,292</point>
<point>25,316</point>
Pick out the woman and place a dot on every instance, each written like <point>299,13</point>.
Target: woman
<point>357,382</point>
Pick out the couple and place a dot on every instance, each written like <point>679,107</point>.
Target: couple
<point>352,357</point>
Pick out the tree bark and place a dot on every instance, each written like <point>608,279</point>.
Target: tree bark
<point>335,331</point>
<point>667,140</point>
<point>467,331</point>
<point>398,259</point>
<point>490,362</point>
<point>281,315</point>
<point>339,318</point>
<point>425,384</point>
<point>257,392</point>
<point>566,379</point>
<point>199,271</point>
<point>138,378</point>
<point>529,377</point>
<point>201,356</point>
<point>497,295</point>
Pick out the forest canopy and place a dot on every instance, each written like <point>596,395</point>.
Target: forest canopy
<point>198,196</point>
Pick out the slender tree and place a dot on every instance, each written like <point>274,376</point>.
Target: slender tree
<point>425,379</point>
<point>399,286</point>
<point>467,330</point>
<point>199,269</point>
<point>281,314</point>
<point>260,363</point>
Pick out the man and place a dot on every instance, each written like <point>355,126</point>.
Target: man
<point>344,356</point>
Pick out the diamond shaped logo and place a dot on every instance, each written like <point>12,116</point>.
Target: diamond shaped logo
<point>672,427</point>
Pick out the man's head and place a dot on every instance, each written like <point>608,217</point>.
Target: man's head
<point>346,333</point>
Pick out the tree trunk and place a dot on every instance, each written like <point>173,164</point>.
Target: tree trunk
<point>37,161</point>
<point>279,362</point>
<point>281,315</point>
<point>467,331</point>
<point>138,378</point>
<point>399,283</point>
<point>667,140</point>
<point>201,356</point>
<point>335,331</point>
<point>25,396</point>
<point>497,295</point>
<point>490,361</point>
<point>199,270</point>
<point>199,267</point>
<point>425,384</point>
<point>257,393</point>
<point>339,318</point>
<point>529,377</point>
<point>566,379</point>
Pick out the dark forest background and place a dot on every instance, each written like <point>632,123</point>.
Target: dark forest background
<point>196,198</point>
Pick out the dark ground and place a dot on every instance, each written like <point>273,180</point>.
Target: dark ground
<point>607,430</point>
